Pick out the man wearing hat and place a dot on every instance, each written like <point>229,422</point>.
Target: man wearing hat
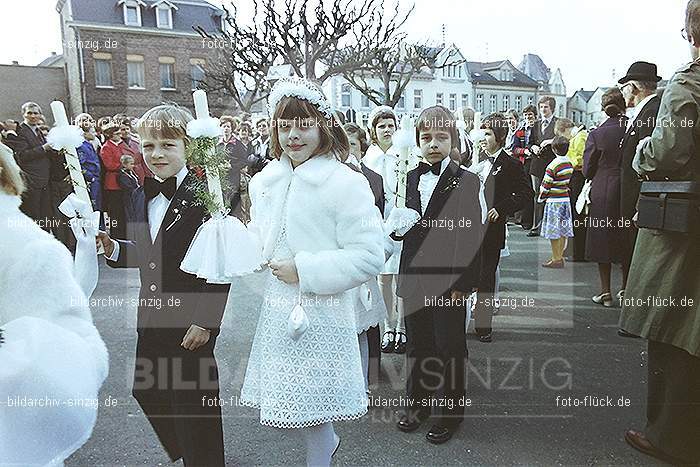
<point>665,268</point>
<point>638,87</point>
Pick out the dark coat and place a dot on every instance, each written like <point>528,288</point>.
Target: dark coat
<point>507,189</point>
<point>34,161</point>
<point>436,258</point>
<point>376,184</point>
<point>540,162</point>
<point>601,164</point>
<point>237,154</point>
<point>163,284</point>
<point>642,127</point>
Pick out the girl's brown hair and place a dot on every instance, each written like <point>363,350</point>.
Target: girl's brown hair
<point>440,118</point>
<point>499,125</point>
<point>355,129</point>
<point>375,119</point>
<point>334,140</point>
<point>11,181</point>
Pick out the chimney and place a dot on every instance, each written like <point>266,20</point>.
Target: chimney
<point>53,54</point>
<point>15,62</point>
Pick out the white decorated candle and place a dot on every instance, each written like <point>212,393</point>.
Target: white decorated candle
<point>72,161</point>
<point>201,106</point>
<point>59,113</point>
<point>404,154</point>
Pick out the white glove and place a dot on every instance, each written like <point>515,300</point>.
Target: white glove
<point>401,220</point>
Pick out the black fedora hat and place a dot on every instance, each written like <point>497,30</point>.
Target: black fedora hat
<point>641,71</point>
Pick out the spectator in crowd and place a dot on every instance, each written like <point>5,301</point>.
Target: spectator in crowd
<point>542,154</point>
<point>244,135</point>
<point>468,115</point>
<point>87,124</point>
<point>522,149</point>
<point>238,158</point>
<point>111,155</point>
<point>601,164</point>
<point>557,224</point>
<point>129,183</point>
<point>638,88</point>
<point>89,160</point>
<point>513,127</point>
<point>131,146</point>
<point>262,142</point>
<point>34,156</point>
<point>577,137</point>
<point>665,265</point>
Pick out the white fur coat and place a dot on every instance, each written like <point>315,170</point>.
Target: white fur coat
<point>51,351</point>
<point>333,227</point>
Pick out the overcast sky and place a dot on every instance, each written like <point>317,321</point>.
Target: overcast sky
<point>588,40</point>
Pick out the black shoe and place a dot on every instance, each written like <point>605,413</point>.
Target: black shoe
<point>388,341</point>
<point>623,333</point>
<point>533,233</point>
<point>400,343</point>
<point>485,337</point>
<point>439,434</point>
<point>408,424</point>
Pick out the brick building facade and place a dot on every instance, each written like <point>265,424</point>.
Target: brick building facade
<point>126,56</point>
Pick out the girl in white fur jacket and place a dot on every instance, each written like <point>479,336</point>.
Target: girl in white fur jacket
<point>319,229</point>
<point>50,352</point>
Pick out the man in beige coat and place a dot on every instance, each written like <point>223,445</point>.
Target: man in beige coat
<point>663,291</point>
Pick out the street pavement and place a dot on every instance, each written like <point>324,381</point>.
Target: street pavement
<point>552,347</point>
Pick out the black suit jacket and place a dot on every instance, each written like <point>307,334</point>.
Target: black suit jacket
<point>506,189</point>
<point>376,184</point>
<point>169,297</point>
<point>31,157</point>
<point>441,252</point>
<point>642,127</point>
<point>540,162</point>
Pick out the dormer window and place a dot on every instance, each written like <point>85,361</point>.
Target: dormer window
<point>132,11</point>
<point>164,13</point>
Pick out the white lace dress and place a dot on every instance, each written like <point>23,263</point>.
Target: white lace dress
<point>315,379</point>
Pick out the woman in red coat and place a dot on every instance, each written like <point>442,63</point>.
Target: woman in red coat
<point>111,154</point>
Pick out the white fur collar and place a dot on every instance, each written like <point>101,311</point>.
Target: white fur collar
<point>315,171</point>
<point>9,203</point>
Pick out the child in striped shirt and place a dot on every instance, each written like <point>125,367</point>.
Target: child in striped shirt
<point>557,225</point>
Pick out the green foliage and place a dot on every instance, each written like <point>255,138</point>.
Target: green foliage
<point>205,153</point>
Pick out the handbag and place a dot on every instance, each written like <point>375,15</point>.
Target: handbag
<point>669,206</point>
<point>298,322</point>
<point>583,202</point>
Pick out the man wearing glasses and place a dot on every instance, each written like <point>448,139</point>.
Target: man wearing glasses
<point>638,88</point>
<point>665,267</point>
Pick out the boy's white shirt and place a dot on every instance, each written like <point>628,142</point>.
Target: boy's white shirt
<point>427,183</point>
<point>157,208</point>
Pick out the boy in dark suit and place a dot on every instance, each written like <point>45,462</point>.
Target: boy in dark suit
<point>506,190</point>
<point>542,155</point>
<point>179,315</point>
<point>439,269</point>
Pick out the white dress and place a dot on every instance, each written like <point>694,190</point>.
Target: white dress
<point>315,379</point>
<point>368,302</point>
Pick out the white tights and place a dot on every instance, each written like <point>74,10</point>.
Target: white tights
<point>321,441</point>
<point>394,305</point>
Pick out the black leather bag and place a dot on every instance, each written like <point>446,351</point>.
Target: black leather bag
<point>669,206</point>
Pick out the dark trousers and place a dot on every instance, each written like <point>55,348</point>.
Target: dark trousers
<point>578,246</point>
<point>537,208</point>
<point>436,353</point>
<point>673,401</point>
<point>375,354</point>
<point>36,203</point>
<point>524,216</point>
<point>483,312</point>
<point>178,390</point>
<point>114,206</point>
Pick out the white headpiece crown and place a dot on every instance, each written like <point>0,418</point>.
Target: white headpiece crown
<point>298,87</point>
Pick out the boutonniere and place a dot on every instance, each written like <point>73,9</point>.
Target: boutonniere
<point>452,183</point>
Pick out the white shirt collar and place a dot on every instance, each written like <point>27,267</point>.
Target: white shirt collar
<point>638,108</point>
<point>353,160</point>
<point>180,176</point>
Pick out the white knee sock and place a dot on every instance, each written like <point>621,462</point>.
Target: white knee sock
<point>321,441</point>
<point>364,356</point>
